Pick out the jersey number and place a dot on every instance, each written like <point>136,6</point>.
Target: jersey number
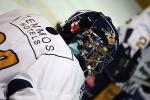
<point>141,42</point>
<point>8,57</point>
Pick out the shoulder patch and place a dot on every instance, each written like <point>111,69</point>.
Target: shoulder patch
<point>43,39</point>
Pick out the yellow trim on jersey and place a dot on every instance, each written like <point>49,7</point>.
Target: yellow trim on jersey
<point>8,58</point>
<point>109,93</point>
<point>2,37</point>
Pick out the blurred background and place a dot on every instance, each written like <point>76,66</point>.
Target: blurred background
<point>54,10</point>
<point>128,76</point>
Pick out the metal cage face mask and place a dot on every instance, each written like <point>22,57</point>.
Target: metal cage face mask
<point>95,41</point>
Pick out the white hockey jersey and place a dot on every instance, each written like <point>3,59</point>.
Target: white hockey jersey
<point>35,62</point>
<point>138,39</point>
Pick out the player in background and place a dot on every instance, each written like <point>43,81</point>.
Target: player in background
<point>137,36</point>
<point>127,77</point>
<point>36,62</point>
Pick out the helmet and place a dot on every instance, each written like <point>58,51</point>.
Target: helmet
<point>92,38</point>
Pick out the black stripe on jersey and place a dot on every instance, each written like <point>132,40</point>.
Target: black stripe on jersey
<point>16,85</point>
<point>128,34</point>
<point>61,56</point>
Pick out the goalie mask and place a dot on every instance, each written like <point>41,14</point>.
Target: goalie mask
<point>92,38</point>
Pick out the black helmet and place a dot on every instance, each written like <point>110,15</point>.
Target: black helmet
<point>92,38</point>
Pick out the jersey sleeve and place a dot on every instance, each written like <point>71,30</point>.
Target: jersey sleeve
<point>51,77</point>
<point>21,89</point>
